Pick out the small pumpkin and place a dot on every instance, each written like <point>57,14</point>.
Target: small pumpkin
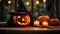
<point>43,18</point>
<point>54,21</point>
<point>36,23</point>
<point>44,24</point>
<point>21,20</point>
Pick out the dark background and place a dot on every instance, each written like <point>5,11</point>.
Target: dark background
<point>53,9</point>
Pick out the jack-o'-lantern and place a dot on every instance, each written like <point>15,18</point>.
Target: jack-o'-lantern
<point>36,23</point>
<point>43,18</point>
<point>21,20</point>
<point>45,24</point>
<point>54,21</point>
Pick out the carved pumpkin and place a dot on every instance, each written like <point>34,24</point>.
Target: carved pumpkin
<point>36,23</point>
<point>43,18</point>
<point>54,21</point>
<point>21,20</point>
<point>44,24</point>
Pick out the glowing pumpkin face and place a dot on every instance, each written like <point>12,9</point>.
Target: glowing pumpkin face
<point>22,20</point>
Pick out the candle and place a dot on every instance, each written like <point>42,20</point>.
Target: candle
<point>44,24</point>
<point>36,23</point>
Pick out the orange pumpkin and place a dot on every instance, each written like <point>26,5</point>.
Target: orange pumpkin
<point>43,18</point>
<point>54,21</point>
<point>21,20</point>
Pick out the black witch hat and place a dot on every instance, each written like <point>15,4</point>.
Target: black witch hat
<point>21,7</point>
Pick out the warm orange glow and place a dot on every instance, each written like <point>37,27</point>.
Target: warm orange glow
<point>36,23</point>
<point>14,19</point>
<point>28,18</point>
<point>44,18</point>
<point>44,1</point>
<point>37,2</point>
<point>21,23</point>
<point>44,24</point>
<point>24,21</point>
<point>9,2</point>
<point>18,22</point>
<point>19,17</point>
<point>27,3</point>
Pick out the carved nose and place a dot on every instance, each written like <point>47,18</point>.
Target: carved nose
<point>23,19</point>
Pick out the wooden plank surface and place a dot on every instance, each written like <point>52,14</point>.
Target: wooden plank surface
<point>30,28</point>
<point>24,28</point>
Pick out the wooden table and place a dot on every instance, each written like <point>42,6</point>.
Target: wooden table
<point>30,30</point>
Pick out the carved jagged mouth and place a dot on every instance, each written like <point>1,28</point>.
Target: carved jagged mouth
<point>23,20</point>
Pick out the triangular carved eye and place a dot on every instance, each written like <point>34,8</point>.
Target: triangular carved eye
<point>18,17</point>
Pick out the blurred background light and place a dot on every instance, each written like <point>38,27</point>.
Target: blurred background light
<point>27,3</point>
<point>9,2</point>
